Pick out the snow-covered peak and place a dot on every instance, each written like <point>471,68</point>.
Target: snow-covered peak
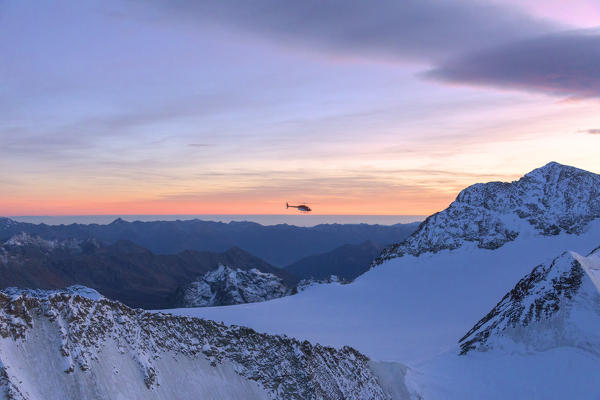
<point>227,286</point>
<point>27,240</point>
<point>547,201</point>
<point>553,172</point>
<point>6,222</point>
<point>75,290</point>
<point>556,305</point>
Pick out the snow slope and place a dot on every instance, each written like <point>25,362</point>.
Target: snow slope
<point>541,341</point>
<point>556,374</point>
<point>556,305</point>
<point>65,346</point>
<point>409,308</point>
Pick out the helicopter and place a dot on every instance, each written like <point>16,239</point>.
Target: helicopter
<point>303,208</point>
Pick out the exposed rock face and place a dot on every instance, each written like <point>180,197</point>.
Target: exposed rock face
<point>226,286</point>
<point>555,305</point>
<point>550,200</point>
<point>79,290</point>
<point>306,283</point>
<point>92,334</point>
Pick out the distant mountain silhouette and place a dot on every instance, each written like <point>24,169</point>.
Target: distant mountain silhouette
<point>123,271</point>
<point>279,245</point>
<point>346,262</point>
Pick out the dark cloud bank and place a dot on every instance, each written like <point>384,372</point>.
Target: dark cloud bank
<point>562,64</point>
<point>469,42</point>
<point>591,131</point>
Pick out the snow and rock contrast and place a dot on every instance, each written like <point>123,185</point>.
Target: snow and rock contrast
<point>78,290</point>
<point>65,346</point>
<point>556,305</point>
<point>307,283</point>
<point>541,341</point>
<point>226,286</point>
<point>415,307</point>
<point>549,200</point>
<point>25,240</point>
<point>6,223</point>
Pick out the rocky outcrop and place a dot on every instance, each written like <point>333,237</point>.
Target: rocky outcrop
<point>306,283</point>
<point>549,200</point>
<point>87,330</point>
<point>226,286</point>
<point>555,305</point>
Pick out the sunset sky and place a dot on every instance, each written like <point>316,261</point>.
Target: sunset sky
<point>234,107</point>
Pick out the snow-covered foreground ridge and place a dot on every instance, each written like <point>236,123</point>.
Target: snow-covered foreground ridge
<point>556,305</point>
<point>65,346</point>
<point>550,200</point>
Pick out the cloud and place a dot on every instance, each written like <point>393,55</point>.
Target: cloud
<point>408,29</point>
<point>468,42</point>
<point>591,131</point>
<point>565,64</point>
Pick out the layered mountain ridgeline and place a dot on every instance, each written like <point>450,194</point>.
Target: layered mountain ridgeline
<point>547,201</point>
<point>227,286</point>
<point>556,305</point>
<point>346,262</point>
<point>123,270</point>
<point>101,349</point>
<point>280,245</point>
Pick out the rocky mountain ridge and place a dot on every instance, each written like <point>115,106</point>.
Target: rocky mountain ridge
<point>549,200</point>
<point>87,330</point>
<point>555,305</point>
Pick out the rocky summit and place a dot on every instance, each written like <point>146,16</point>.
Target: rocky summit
<point>547,201</point>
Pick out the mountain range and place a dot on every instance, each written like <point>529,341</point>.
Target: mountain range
<point>495,297</point>
<point>123,270</point>
<point>279,245</point>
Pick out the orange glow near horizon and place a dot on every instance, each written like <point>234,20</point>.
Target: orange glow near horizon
<point>379,206</point>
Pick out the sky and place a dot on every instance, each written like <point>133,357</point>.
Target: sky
<point>235,107</point>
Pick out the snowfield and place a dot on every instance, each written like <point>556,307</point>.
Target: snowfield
<point>408,309</point>
<point>560,373</point>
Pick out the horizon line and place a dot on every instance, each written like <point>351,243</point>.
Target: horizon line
<point>172,215</point>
